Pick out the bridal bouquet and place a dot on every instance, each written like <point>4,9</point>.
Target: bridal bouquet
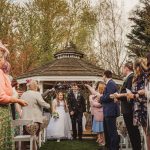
<point>55,115</point>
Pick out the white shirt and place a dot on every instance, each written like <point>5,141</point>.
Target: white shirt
<point>75,94</point>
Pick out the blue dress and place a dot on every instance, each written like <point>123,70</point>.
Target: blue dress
<point>97,126</point>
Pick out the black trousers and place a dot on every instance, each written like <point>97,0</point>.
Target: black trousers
<point>77,120</point>
<point>112,137</point>
<point>133,131</point>
<point>107,142</point>
<point>13,111</point>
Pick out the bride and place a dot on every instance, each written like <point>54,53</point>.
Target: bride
<point>60,124</point>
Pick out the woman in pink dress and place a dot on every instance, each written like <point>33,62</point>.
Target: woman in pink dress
<point>97,110</point>
<point>6,98</point>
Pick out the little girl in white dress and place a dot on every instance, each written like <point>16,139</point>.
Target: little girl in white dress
<point>59,128</point>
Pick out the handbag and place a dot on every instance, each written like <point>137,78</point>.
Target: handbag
<point>32,128</point>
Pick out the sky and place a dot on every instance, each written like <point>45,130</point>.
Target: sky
<point>128,4</point>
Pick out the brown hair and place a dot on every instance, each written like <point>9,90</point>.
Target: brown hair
<point>148,66</point>
<point>139,63</point>
<point>58,102</point>
<point>108,74</point>
<point>74,84</point>
<point>102,88</point>
<point>129,65</point>
<point>142,69</point>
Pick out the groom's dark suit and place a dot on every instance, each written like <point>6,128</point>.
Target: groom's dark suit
<point>76,104</point>
<point>111,112</point>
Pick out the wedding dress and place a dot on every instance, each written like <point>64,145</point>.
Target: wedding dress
<point>59,128</point>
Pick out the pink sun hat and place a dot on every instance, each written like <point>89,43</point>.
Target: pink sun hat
<point>3,48</point>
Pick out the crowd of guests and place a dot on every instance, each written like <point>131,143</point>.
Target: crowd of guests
<point>133,98</point>
<point>67,111</point>
<point>106,100</point>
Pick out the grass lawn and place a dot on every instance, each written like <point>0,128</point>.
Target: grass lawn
<point>70,145</point>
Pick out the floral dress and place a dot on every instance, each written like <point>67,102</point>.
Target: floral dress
<point>140,104</point>
<point>147,88</point>
<point>5,129</point>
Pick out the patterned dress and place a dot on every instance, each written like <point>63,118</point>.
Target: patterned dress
<point>140,104</point>
<point>5,129</point>
<point>147,88</point>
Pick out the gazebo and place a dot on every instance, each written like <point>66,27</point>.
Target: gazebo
<point>68,66</point>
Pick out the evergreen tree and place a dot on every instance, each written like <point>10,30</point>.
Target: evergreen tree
<point>139,38</point>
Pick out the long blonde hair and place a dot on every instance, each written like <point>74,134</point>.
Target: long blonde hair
<point>100,87</point>
<point>58,101</point>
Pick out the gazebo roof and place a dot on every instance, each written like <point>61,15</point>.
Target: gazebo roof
<point>69,50</point>
<point>68,62</point>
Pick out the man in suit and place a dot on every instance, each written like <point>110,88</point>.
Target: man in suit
<point>77,107</point>
<point>127,107</point>
<point>111,112</point>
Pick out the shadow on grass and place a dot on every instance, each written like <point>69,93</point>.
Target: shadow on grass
<point>70,145</point>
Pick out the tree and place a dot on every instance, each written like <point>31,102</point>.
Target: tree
<point>52,21</point>
<point>81,24</point>
<point>109,36</point>
<point>36,30</point>
<point>139,38</point>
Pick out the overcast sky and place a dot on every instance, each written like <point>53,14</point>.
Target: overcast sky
<point>128,4</point>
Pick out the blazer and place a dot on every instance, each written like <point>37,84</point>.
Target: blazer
<point>126,107</point>
<point>33,111</point>
<point>76,105</point>
<point>110,108</point>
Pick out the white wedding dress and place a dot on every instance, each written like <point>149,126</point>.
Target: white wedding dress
<point>60,128</point>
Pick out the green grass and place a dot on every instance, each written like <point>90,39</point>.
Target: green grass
<point>70,145</point>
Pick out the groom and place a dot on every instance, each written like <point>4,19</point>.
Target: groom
<point>76,106</point>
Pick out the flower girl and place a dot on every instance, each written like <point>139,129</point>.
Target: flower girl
<point>60,124</point>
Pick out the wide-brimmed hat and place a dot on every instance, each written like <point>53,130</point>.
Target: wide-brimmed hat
<point>3,48</point>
